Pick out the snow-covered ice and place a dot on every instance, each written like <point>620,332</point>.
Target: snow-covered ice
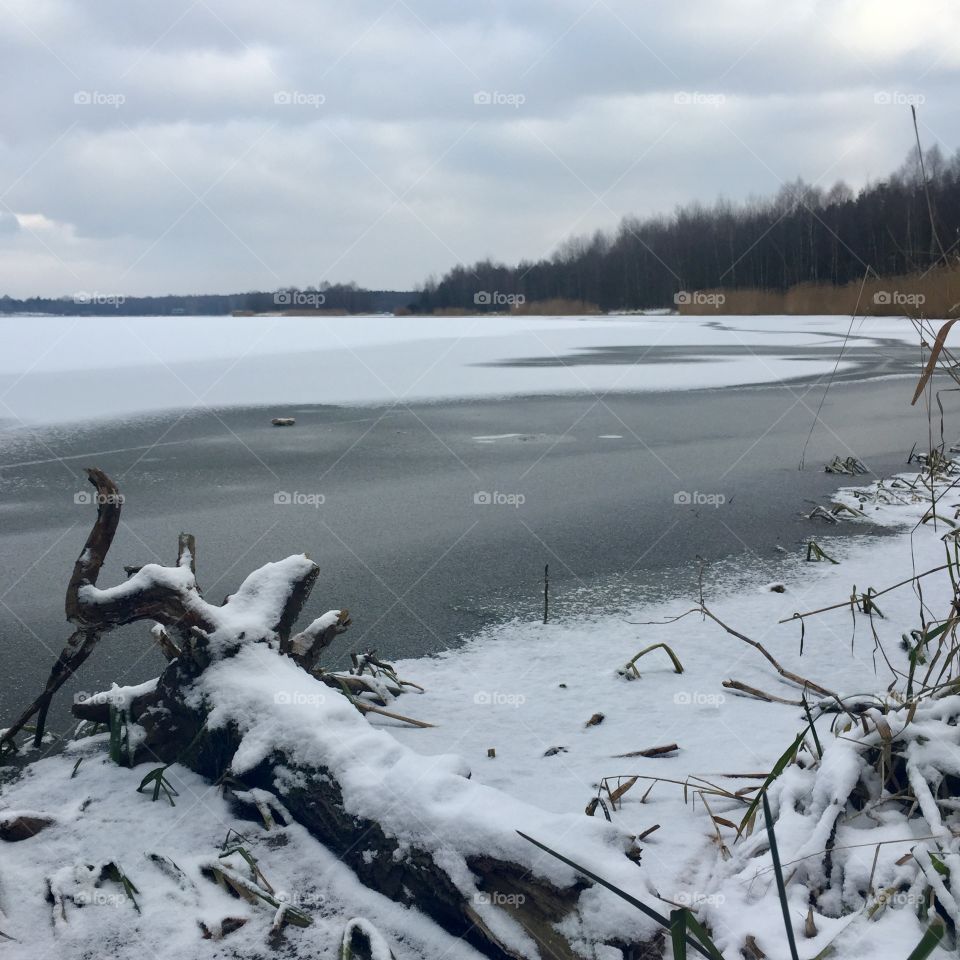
<point>54,368</point>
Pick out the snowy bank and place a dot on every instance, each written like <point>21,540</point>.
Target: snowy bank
<point>534,725</point>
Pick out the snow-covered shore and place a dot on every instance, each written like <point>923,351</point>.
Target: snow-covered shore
<point>528,691</point>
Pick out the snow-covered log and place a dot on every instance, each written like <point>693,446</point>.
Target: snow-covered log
<point>244,703</point>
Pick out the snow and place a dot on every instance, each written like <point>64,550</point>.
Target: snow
<point>262,596</point>
<point>866,852</point>
<point>323,622</point>
<point>102,819</point>
<point>301,643</point>
<point>158,363</point>
<point>428,804</point>
<point>255,609</point>
<point>121,698</point>
<point>525,688</point>
<point>379,948</point>
<point>151,576</point>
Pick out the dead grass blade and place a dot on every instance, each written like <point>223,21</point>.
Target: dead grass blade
<point>932,361</point>
<point>649,752</point>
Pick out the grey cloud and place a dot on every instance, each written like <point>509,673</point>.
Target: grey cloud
<point>299,125</point>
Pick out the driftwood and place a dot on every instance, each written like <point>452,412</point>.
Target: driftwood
<point>82,641</point>
<point>193,634</point>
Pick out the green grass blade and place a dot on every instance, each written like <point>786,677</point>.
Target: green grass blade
<point>928,943</point>
<point>813,729</point>
<point>708,949</point>
<point>778,768</point>
<point>678,934</point>
<point>696,928</point>
<point>778,872</point>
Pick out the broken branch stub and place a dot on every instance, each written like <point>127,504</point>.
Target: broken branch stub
<point>305,647</point>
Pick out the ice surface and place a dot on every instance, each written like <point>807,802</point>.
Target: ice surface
<point>159,363</point>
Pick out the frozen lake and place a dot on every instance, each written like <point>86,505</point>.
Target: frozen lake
<point>65,368</point>
<point>614,449</point>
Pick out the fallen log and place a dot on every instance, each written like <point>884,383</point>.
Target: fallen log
<point>181,726</point>
<point>243,701</point>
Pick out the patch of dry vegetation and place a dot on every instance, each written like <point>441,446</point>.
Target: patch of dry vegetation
<point>932,293</point>
<point>555,307</point>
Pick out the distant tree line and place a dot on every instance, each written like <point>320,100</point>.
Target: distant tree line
<point>337,298</point>
<point>802,235</point>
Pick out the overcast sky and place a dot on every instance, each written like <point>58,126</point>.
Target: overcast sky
<point>225,145</point>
